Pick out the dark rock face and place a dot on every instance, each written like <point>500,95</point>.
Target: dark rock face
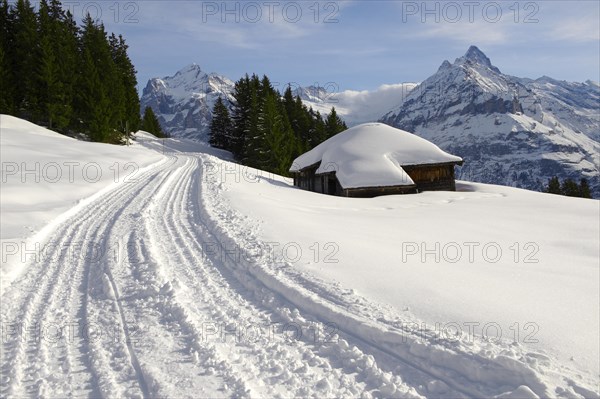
<point>510,131</point>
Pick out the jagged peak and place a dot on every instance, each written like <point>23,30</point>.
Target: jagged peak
<point>193,67</point>
<point>187,75</point>
<point>475,56</point>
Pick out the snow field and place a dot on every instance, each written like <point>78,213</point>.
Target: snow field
<point>503,216</point>
<point>169,287</point>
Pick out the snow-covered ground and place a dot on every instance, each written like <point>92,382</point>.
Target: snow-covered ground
<point>201,278</point>
<point>46,178</point>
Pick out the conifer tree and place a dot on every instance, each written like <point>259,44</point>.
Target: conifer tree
<point>320,132</point>
<point>98,86</point>
<point>5,92</point>
<point>269,129</point>
<point>53,103</point>
<point>54,74</point>
<point>221,126</point>
<point>23,59</point>
<point>282,144</point>
<point>333,124</point>
<point>260,123</point>
<point>289,104</point>
<point>584,189</point>
<point>150,123</point>
<point>6,75</point>
<point>129,103</point>
<point>251,133</point>
<point>570,188</point>
<point>301,124</point>
<point>554,186</point>
<point>240,116</point>
<point>66,46</point>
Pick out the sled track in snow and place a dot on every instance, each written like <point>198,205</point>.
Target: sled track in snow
<point>465,374</point>
<point>176,317</point>
<point>154,275</point>
<point>382,382</point>
<point>293,365</point>
<point>54,293</point>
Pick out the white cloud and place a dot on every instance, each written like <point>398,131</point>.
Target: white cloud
<point>365,105</point>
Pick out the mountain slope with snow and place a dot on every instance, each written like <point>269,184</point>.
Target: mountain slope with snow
<point>184,102</point>
<point>204,278</point>
<point>510,131</point>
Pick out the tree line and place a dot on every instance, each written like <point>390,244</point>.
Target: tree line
<point>68,78</point>
<point>569,188</point>
<point>267,130</point>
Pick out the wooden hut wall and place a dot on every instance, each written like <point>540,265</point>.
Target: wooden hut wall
<point>369,192</point>
<point>432,177</point>
<point>426,178</point>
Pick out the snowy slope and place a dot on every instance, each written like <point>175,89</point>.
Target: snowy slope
<point>202,278</point>
<point>46,174</point>
<point>510,131</point>
<point>515,272</point>
<point>183,103</point>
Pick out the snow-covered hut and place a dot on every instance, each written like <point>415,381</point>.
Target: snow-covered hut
<point>374,159</point>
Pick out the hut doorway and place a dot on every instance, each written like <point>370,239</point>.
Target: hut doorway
<point>331,185</point>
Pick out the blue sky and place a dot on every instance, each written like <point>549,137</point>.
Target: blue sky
<point>355,44</point>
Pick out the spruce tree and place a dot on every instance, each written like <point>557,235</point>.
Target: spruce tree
<point>150,123</point>
<point>283,144</point>
<point>66,46</point>
<point>251,133</point>
<point>53,103</point>
<point>54,74</point>
<point>320,131</point>
<point>240,116</point>
<point>570,188</point>
<point>129,103</point>
<point>333,124</point>
<point>6,49</point>
<point>301,124</point>
<point>24,59</point>
<point>260,144</point>
<point>584,189</point>
<point>554,186</point>
<point>261,96</point>
<point>98,87</point>
<point>289,104</point>
<point>220,126</point>
<point>5,78</point>
<point>269,129</point>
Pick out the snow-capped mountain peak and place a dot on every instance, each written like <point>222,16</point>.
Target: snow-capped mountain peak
<point>474,56</point>
<point>190,68</point>
<point>183,102</point>
<point>509,130</point>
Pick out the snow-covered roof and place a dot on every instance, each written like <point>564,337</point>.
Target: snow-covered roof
<point>372,155</point>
